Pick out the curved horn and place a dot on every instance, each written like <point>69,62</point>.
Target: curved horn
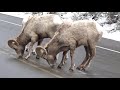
<point>38,50</point>
<point>12,43</point>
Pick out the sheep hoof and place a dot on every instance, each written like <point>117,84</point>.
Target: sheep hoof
<point>59,67</point>
<point>33,53</point>
<point>37,57</point>
<point>20,57</point>
<point>53,66</point>
<point>80,68</point>
<point>71,69</point>
<point>26,58</point>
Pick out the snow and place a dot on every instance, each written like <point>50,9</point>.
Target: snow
<point>68,15</point>
<point>114,35</point>
<point>102,19</point>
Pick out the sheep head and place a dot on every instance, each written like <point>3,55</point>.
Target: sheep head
<point>42,52</point>
<point>18,48</point>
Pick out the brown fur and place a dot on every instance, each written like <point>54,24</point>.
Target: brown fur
<point>71,36</point>
<point>36,29</point>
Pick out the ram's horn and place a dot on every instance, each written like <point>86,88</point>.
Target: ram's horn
<point>38,49</point>
<point>12,44</point>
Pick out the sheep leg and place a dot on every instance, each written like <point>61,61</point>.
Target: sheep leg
<point>72,62</point>
<point>33,41</point>
<point>92,52</point>
<point>67,56</point>
<point>38,43</point>
<point>26,48</point>
<point>57,56</point>
<point>64,58</point>
<point>81,67</point>
<point>30,51</point>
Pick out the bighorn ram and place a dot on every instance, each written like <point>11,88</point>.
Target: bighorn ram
<point>35,30</point>
<point>69,37</point>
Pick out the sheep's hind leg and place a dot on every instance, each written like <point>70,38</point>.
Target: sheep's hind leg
<point>82,67</point>
<point>92,52</point>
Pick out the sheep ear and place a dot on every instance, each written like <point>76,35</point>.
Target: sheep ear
<point>13,44</point>
<point>39,49</point>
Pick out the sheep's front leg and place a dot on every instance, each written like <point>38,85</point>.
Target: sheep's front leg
<point>30,51</point>
<point>72,61</point>
<point>33,41</point>
<point>90,53</point>
<point>64,58</point>
<point>26,47</point>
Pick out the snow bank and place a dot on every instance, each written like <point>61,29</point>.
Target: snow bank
<point>114,36</point>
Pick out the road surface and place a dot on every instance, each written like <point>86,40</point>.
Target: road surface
<point>106,63</point>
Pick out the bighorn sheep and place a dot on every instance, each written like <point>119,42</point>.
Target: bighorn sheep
<point>35,30</point>
<point>69,37</point>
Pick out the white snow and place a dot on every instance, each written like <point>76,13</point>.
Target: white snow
<point>101,20</point>
<point>114,35</point>
<point>68,15</point>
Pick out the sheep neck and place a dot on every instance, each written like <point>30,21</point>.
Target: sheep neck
<point>23,39</point>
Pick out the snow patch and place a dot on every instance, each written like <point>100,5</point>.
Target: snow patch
<point>114,36</point>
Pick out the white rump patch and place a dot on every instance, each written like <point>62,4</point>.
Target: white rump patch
<point>57,20</point>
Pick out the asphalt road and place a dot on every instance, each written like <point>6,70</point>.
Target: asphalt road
<point>106,63</point>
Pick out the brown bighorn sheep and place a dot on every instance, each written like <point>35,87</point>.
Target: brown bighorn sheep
<point>69,37</point>
<point>35,30</point>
